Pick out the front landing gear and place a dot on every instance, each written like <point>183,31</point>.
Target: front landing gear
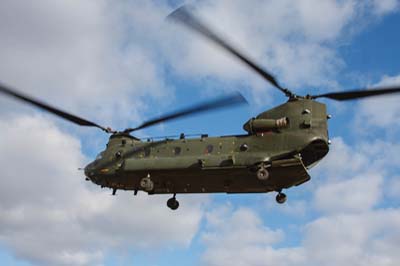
<point>262,172</point>
<point>281,198</point>
<point>172,203</point>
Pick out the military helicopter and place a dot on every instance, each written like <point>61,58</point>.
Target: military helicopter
<point>276,151</point>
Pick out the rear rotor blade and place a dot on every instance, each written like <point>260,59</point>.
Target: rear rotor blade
<point>183,16</point>
<point>356,94</point>
<point>70,117</point>
<point>224,102</point>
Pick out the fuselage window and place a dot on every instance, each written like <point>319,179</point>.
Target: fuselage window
<point>118,154</point>
<point>177,150</point>
<point>244,147</point>
<point>209,149</point>
<point>146,152</point>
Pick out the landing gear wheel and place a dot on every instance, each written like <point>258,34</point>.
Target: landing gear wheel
<point>281,198</point>
<point>147,184</point>
<point>262,174</point>
<point>172,203</point>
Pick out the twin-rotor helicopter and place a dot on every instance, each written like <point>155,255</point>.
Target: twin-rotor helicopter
<point>276,151</point>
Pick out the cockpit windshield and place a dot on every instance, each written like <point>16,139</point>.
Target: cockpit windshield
<point>99,156</point>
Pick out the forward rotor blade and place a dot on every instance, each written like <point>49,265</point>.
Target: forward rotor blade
<point>356,94</point>
<point>224,102</point>
<point>70,117</point>
<point>183,16</point>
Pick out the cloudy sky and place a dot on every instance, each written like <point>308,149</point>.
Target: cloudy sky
<point>120,62</point>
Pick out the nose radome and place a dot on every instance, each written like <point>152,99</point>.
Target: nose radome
<point>88,171</point>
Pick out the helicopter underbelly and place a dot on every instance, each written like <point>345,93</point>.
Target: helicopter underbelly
<point>282,174</point>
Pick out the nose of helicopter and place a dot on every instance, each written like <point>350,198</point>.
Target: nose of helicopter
<point>89,171</point>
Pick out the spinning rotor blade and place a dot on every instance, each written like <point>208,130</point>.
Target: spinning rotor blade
<point>70,117</point>
<point>356,94</point>
<point>183,16</point>
<point>234,99</point>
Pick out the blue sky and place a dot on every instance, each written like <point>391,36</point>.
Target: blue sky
<point>122,63</point>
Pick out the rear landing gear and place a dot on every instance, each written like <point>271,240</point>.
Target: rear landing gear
<point>281,198</point>
<point>172,203</point>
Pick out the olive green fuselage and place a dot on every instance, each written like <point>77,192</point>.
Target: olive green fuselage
<point>220,164</point>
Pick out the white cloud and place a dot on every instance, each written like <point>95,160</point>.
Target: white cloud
<point>393,187</point>
<point>381,7</point>
<point>50,216</point>
<point>352,178</point>
<point>368,238</point>
<point>295,41</point>
<point>233,236</point>
<point>280,35</point>
<point>362,157</point>
<point>330,19</point>
<point>83,56</point>
<point>341,162</point>
<point>353,195</point>
<point>241,222</point>
<point>381,112</point>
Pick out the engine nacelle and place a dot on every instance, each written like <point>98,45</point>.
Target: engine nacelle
<point>255,125</point>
